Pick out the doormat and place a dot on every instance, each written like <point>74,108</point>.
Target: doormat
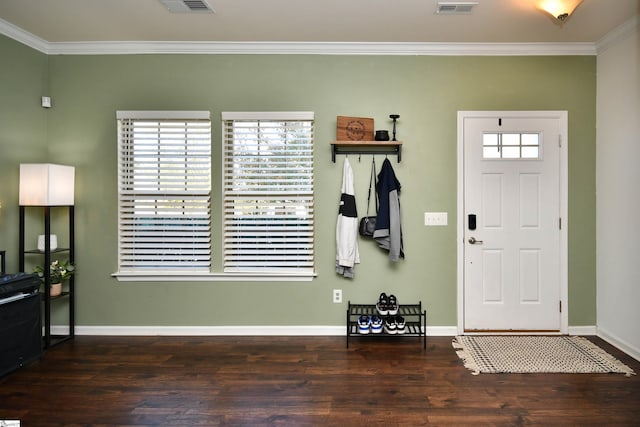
<point>535,354</point>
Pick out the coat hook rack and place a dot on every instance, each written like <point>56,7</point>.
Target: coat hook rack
<point>366,147</point>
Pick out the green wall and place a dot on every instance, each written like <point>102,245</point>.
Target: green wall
<point>23,130</point>
<point>426,91</point>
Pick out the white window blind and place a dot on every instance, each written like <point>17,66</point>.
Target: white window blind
<point>268,192</point>
<point>164,186</point>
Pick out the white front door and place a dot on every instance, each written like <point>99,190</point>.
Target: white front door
<point>512,213</point>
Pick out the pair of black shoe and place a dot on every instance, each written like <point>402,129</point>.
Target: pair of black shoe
<point>394,325</point>
<point>387,305</point>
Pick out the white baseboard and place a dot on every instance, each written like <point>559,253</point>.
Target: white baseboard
<point>205,330</point>
<point>314,330</point>
<point>227,330</point>
<point>619,343</point>
<point>442,331</point>
<point>582,330</point>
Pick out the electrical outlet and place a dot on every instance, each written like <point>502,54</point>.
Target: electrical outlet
<point>337,296</point>
<point>435,218</point>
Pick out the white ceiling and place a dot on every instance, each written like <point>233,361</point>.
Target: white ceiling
<point>351,21</point>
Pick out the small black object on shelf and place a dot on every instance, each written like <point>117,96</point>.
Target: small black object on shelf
<point>382,135</point>
<point>394,117</point>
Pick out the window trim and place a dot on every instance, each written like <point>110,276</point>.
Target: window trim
<point>155,116</point>
<point>212,277</point>
<point>266,116</point>
<point>181,277</point>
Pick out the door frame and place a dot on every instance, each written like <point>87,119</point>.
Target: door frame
<point>564,209</point>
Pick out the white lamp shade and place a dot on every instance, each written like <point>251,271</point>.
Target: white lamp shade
<point>46,184</point>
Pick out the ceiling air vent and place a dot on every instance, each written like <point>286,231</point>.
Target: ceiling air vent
<point>187,6</point>
<point>455,8</point>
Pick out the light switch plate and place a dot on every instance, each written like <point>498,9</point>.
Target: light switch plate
<point>434,219</point>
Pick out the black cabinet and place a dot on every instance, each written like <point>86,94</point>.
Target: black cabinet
<point>414,315</point>
<point>20,331</point>
<point>45,258</point>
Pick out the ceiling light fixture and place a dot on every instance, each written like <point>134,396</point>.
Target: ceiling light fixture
<point>558,9</point>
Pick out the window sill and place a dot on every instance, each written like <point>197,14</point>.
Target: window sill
<point>165,276</point>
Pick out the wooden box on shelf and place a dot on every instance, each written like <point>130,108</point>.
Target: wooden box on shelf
<point>354,129</point>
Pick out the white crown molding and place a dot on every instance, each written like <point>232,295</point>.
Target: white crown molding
<point>22,36</point>
<point>322,48</point>
<point>620,32</point>
<point>294,48</point>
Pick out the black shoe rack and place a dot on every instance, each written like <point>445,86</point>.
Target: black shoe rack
<point>414,315</point>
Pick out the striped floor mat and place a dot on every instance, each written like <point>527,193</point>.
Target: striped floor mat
<point>535,354</point>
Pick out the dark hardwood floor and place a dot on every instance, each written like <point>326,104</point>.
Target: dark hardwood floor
<point>300,381</point>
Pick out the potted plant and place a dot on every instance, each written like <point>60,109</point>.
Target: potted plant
<point>59,271</point>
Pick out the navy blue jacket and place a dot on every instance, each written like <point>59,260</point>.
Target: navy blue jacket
<point>388,232</point>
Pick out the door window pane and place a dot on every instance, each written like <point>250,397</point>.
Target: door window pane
<point>511,146</point>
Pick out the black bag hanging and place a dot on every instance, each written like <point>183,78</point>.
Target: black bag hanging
<point>368,223</point>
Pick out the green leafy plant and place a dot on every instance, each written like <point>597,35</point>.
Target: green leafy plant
<point>58,271</point>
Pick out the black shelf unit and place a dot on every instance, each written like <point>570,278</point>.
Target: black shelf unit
<point>69,295</point>
<point>366,147</point>
<point>415,321</point>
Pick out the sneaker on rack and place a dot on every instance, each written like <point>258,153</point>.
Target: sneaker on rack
<point>400,325</point>
<point>376,325</point>
<point>364,324</point>
<point>390,326</point>
<point>392,305</point>
<point>383,305</point>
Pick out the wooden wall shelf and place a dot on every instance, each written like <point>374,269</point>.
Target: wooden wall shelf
<point>366,147</point>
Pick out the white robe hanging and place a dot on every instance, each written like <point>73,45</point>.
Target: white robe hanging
<point>347,254</point>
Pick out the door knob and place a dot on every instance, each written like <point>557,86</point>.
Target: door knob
<point>473,241</point>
